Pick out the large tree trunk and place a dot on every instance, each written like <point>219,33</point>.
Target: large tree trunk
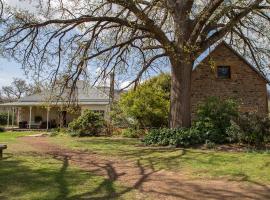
<point>181,62</point>
<point>180,110</point>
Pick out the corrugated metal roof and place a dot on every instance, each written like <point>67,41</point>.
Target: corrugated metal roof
<point>85,95</point>
<point>29,103</point>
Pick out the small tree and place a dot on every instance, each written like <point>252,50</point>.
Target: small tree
<point>148,105</point>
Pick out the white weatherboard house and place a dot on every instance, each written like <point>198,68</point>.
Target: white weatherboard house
<point>42,111</point>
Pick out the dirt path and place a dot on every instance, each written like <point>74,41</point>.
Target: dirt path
<point>152,184</point>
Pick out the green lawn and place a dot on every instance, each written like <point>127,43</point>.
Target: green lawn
<point>27,175</point>
<point>196,163</point>
<point>8,137</point>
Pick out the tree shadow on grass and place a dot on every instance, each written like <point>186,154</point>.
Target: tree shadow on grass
<point>21,179</point>
<point>149,156</point>
<point>61,181</point>
<point>109,184</point>
<point>33,176</point>
<point>56,183</point>
<point>170,187</point>
<point>187,190</point>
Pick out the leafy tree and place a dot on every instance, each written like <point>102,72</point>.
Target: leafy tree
<point>133,36</point>
<point>148,105</point>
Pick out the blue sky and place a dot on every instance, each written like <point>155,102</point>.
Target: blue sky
<point>10,69</point>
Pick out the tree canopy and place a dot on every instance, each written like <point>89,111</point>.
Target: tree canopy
<point>132,37</point>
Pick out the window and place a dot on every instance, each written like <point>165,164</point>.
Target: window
<point>224,72</point>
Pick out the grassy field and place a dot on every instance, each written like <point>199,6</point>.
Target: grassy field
<point>27,175</point>
<point>253,166</point>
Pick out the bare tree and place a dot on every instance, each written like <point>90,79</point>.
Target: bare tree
<point>2,100</point>
<point>17,89</point>
<point>66,36</point>
<point>1,8</point>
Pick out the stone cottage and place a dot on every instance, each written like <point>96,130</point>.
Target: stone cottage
<point>226,74</point>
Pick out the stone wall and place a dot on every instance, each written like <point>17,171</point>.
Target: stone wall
<point>246,86</point>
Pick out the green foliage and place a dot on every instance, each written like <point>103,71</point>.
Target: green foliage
<point>217,122</point>
<point>88,124</point>
<point>209,145</point>
<point>214,118</point>
<point>2,129</point>
<point>252,129</point>
<point>132,133</point>
<point>59,131</point>
<point>119,117</point>
<point>234,133</point>
<point>3,118</point>
<point>147,106</point>
<point>108,129</point>
<point>173,137</point>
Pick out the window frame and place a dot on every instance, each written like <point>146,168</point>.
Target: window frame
<point>223,77</point>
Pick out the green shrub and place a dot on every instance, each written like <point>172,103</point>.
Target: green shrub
<point>132,133</point>
<point>161,137</point>
<point>173,137</point>
<point>120,118</point>
<point>234,133</point>
<point>59,131</point>
<point>4,118</point>
<point>2,129</point>
<point>108,129</point>
<point>253,130</point>
<point>209,145</point>
<point>117,131</point>
<point>88,124</point>
<point>250,129</point>
<point>214,118</point>
<point>54,133</point>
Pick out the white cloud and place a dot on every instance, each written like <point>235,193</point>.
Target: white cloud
<point>124,84</point>
<point>28,5</point>
<point>5,81</point>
